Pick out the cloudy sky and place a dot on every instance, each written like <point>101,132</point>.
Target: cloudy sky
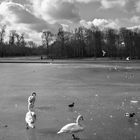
<point>33,16</point>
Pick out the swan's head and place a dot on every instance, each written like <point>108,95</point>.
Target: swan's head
<point>34,94</point>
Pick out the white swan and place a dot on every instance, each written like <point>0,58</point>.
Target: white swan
<point>32,98</point>
<point>31,101</point>
<point>72,127</point>
<point>30,107</point>
<point>30,119</point>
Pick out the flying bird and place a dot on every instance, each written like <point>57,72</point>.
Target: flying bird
<point>103,52</point>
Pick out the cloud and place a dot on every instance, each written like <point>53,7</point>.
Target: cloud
<point>106,4</point>
<point>18,17</point>
<point>86,1</point>
<point>54,10</point>
<point>101,23</point>
<point>135,19</point>
<point>138,6</point>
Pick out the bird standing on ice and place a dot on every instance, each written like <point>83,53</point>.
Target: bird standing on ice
<point>71,105</point>
<point>30,119</point>
<point>73,127</point>
<point>130,115</point>
<point>31,101</point>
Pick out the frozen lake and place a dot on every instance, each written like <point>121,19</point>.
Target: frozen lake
<point>102,94</point>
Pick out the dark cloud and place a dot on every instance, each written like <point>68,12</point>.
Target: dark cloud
<point>65,11</point>
<point>24,16</point>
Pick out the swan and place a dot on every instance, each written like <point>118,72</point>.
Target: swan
<point>73,127</point>
<point>32,98</point>
<point>30,119</point>
<point>30,107</point>
<point>31,101</point>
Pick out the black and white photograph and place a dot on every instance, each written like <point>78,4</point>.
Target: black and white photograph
<point>69,69</point>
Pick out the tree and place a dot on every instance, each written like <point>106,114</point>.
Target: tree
<point>12,37</point>
<point>2,33</point>
<point>90,42</point>
<point>79,38</point>
<point>60,38</point>
<point>111,42</point>
<point>126,35</point>
<point>46,38</point>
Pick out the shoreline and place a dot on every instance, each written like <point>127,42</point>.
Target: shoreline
<point>36,59</point>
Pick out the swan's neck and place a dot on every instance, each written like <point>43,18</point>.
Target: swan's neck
<point>78,121</point>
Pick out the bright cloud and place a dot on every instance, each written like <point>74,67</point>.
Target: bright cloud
<point>113,3</point>
<point>101,23</point>
<point>135,19</point>
<point>18,17</point>
<point>138,6</point>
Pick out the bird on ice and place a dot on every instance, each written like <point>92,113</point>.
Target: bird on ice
<point>130,115</point>
<point>31,101</point>
<point>32,98</point>
<point>71,105</point>
<point>30,119</point>
<point>73,128</point>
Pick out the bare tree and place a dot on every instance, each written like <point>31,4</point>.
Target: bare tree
<point>2,33</point>
<point>12,37</point>
<point>46,38</point>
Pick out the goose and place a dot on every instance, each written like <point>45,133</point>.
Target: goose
<point>30,119</point>
<point>73,127</point>
<point>130,115</point>
<point>71,105</point>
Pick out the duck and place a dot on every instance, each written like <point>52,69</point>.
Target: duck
<point>30,119</point>
<point>71,105</point>
<point>73,128</point>
<point>130,115</point>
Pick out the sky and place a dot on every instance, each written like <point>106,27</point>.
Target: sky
<point>31,17</point>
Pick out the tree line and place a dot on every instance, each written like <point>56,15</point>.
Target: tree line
<point>82,42</point>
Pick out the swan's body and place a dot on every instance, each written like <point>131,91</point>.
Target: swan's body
<point>72,127</point>
<point>30,107</point>
<point>30,119</point>
<point>31,99</point>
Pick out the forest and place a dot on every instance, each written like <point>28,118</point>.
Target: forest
<point>82,42</point>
